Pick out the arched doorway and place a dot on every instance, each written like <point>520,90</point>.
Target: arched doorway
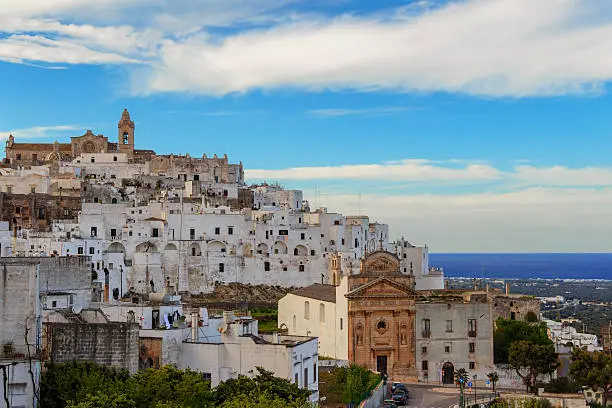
<point>448,373</point>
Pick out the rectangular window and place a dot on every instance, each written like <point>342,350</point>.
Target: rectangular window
<point>301,268</point>
<point>34,157</point>
<point>196,177</point>
<point>283,232</point>
<point>340,323</point>
<point>267,266</point>
<point>302,236</point>
<point>33,190</point>
<point>18,156</point>
<point>472,347</point>
<point>306,378</point>
<point>217,230</point>
<point>314,373</point>
<point>449,326</point>
<point>92,250</point>
<point>17,210</point>
<point>9,189</point>
<point>472,365</point>
<point>192,233</point>
<point>296,375</point>
<point>155,233</point>
<point>307,310</point>
<point>426,326</point>
<point>80,250</point>
<point>312,252</point>
<point>471,327</point>
<point>424,365</point>
<point>113,232</point>
<point>447,348</point>
<point>94,232</point>
<point>322,312</point>
<point>114,158</point>
<point>230,230</point>
<point>93,160</point>
<point>221,267</point>
<point>424,349</point>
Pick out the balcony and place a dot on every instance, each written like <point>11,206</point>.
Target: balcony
<point>472,333</point>
<point>426,334</point>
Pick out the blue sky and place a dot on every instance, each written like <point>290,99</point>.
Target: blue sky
<point>457,125</point>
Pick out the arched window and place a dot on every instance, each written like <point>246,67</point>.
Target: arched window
<point>307,310</point>
<point>126,138</point>
<point>322,312</point>
<point>114,200</point>
<point>294,325</point>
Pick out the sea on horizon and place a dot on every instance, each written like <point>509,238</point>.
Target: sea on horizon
<point>525,266</point>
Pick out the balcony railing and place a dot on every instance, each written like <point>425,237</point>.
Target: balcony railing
<point>426,333</point>
<point>472,333</point>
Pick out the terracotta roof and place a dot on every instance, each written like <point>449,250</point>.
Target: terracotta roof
<point>326,293</point>
<point>63,147</point>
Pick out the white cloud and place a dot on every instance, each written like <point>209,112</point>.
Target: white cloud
<point>522,221</point>
<point>383,111</point>
<point>471,46</point>
<point>417,170</point>
<point>563,176</point>
<point>462,171</point>
<point>37,131</point>
<point>474,46</point>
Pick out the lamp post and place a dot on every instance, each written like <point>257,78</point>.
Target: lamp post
<point>461,397</point>
<point>475,377</point>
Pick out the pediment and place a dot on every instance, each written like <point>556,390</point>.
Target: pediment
<point>381,262</point>
<point>382,288</point>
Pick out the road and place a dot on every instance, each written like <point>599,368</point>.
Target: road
<point>426,397</point>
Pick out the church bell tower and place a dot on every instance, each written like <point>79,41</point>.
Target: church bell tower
<point>126,134</point>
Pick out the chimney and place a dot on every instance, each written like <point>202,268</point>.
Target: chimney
<point>507,288</point>
<point>194,327</point>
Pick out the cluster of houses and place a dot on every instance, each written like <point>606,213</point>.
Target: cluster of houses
<point>101,242</point>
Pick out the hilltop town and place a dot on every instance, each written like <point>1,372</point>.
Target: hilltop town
<point>134,260</point>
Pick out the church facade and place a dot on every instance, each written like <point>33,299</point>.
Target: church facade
<point>381,317</point>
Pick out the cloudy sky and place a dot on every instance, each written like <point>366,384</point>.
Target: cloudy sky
<point>472,126</point>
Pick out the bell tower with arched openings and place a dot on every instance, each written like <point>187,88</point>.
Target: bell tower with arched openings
<point>126,134</point>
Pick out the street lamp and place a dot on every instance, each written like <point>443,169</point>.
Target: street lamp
<point>475,377</point>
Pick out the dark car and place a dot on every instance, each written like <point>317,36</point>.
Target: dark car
<point>389,403</point>
<point>399,397</point>
<point>401,387</point>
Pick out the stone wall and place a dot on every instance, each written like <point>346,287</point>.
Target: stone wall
<point>112,344</point>
<point>515,307</point>
<point>37,211</point>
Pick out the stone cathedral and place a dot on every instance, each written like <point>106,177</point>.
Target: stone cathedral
<point>381,317</point>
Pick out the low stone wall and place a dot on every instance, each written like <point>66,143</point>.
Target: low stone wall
<point>375,399</point>
<point>557,400</point>
<point>112,344</point>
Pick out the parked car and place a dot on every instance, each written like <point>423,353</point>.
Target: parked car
<point>389,403</point>
<point>401,387</point>
<point>399,397</point>
<point>394,385</point>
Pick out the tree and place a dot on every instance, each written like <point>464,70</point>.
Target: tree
<point>593,370</point>
<point>261,401</point>
<point>510,331</point>
<point>531,360</point>
<point>494,378</point>
<point>461,378</point>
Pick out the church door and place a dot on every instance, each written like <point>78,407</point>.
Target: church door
<point>381,364</point>
<point>448,373</point>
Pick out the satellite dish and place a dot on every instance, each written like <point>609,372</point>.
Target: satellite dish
<point>76,308</point>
